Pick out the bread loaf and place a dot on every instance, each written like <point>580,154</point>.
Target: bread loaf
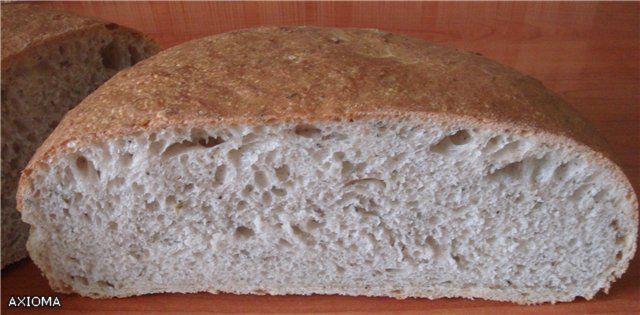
<point>304,160</point>
<point>50,61</point>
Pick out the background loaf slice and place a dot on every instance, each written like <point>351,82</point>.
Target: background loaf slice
<point>50,61</point>
<point>335,161</point>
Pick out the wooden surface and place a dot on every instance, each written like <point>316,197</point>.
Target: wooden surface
<point>589,53</point>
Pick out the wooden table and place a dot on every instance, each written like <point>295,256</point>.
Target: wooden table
<point>589,53</point>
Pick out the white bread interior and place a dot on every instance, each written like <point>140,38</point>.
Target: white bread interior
<point>398,207</point>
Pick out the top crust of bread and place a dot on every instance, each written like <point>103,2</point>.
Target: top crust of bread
<point>32,26</point>
<point>269,74</point>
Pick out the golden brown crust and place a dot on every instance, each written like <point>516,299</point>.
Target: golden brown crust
<point>311,73</point>
<point>31,26</point>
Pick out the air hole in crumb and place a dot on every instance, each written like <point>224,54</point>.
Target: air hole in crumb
<point>580,192</point>
<point>156,147</point>
<point>347,168</point>
<point>243,232</point>
<point>235,156</point>
<point>112,226</point>
<point>278,191</point>
<point>510,171</point>
<point>210,142</point>
<point>31,137</point>
<point>313,225</point>
<point>112,56</point>
<point>431,242</point>
<point>365,213</point>
<point>251,137</point>
<point>17,147</point>
<point>82,165</point>
<point>137,188</point>
<point>297,231</point>
<point>562,172</point>
<point>450,142</point>
<point>248,189</point>
<point>509,150</point>
<point>105,284</point>
<point>461,137</point>
<point>282,173</point>
<point>21,127</point>
<point>187,145</point>
<point>300,234</point>
<point>260,179</point>
<point>307,131</point>
<point>335,136</point>
<point>220,174</point>
<point>126,159</point>
<point>600,196</point>
<point>82,280</point>
<point>171,202</point>
<point>459,210</point>
<point>619,256</point>
<point>519,199</point>
<point>284,243</point>
<point>620,240</point>
<point>135,54</point>
<point>266,198</point>
<point>367,182</point>
<point>319,211</point>
<point>151,206</point>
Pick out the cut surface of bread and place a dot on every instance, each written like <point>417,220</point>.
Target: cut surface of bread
<point>326,165</point>
<point>51,60</point>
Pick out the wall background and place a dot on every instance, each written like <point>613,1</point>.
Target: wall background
<point>588,52</point>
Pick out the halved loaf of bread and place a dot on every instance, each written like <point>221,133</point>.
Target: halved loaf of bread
<point>302,160</point>
<point>51,60</point>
